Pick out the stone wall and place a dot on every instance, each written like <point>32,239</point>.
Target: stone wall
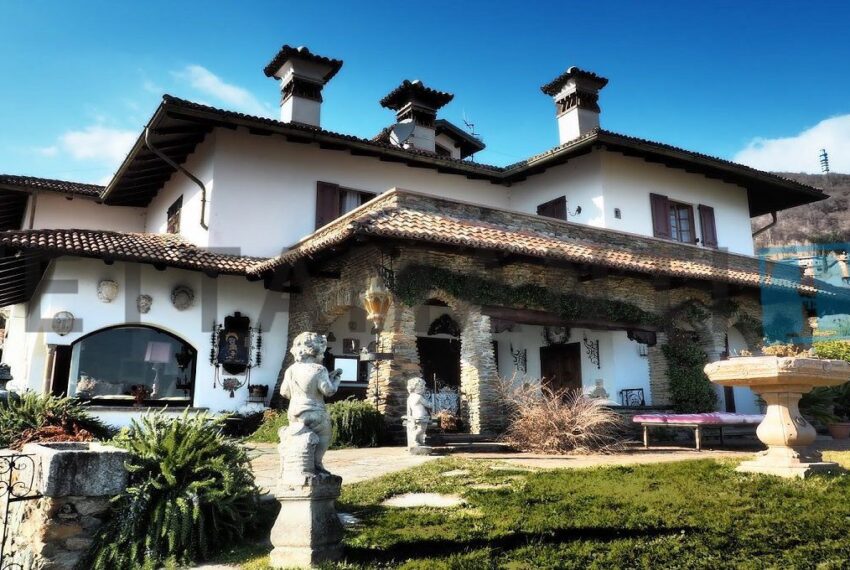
<point>323,299</point>
<point>76,482</point>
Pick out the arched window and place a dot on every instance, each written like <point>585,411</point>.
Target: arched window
<point>132,364</point>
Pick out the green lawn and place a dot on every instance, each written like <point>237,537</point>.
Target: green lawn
<point>691,514</point>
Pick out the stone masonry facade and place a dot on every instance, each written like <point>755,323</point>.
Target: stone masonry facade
<point>323,297</point>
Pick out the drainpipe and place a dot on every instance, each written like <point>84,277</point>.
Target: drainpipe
<point>188,174</point>
<point>768,226</point>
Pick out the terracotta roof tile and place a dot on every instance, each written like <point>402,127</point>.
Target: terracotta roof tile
<point>167,249</point>
<point>288,52</point>
<point>405,215</point>
<point>554,87</point>
<point>32,183</point>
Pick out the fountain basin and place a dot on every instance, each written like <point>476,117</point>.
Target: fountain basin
<point>781,381</point>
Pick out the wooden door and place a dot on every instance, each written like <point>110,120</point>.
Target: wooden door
<point>560,366</point>
<point>439,357</point>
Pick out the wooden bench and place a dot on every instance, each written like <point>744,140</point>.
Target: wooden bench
<point>697,422</point>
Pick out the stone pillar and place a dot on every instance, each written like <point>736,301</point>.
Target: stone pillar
<point>478,374</point>
<point>388,381</point>
<point>659,383</point>
<point>76,482</point>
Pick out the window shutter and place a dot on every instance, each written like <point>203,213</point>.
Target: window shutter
<point>707,226</point>
<point>660,216</point>
<point>327,203</point>
<point>556,208</point>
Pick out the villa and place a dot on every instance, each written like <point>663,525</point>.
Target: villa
<point>222,236</point>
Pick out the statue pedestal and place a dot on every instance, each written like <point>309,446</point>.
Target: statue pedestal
<point>420,450</point>
<point>307,531</point>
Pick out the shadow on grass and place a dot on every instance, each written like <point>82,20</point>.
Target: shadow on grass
<point>439,548</point>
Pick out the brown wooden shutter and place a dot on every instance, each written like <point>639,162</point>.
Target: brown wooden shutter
<point>556,208</point>
<point>660,216</point>
<point>707,226</point>
<point>327,203</point>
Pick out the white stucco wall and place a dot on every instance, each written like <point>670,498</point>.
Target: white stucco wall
<point>629,181</point>
<point>266,188</point>
<point>214,299</point>
<point>746,402</point>
<point>580,180</point>
<point>201,164</point>
<point>55,211</point>
<point>621,366</point>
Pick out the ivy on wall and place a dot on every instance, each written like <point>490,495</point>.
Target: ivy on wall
<point>690,389</point>
<point>413,283</point>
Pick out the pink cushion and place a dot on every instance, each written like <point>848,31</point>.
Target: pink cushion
<point>711,419</point>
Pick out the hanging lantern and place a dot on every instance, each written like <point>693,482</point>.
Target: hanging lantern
<point>377,301</point>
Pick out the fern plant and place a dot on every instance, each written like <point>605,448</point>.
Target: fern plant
<point>26,417</point>
<point>191,491</point>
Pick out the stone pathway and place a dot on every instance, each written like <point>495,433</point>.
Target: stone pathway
<point>353,465</point>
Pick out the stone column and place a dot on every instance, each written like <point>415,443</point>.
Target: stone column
<point>659,383</point>
<point>388,381</point>
<point>478,374</point>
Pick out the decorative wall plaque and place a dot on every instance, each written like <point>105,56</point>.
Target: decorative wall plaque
<point>63,323</point>
<point>143,303</point>
<point>107,290</point>
<point>182,297</point>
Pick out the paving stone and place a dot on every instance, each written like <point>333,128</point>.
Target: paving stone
<point>436,500</point>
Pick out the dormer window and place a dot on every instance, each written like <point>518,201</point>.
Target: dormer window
<point>173,216</point>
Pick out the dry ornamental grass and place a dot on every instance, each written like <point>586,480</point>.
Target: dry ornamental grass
<point>558,422</point>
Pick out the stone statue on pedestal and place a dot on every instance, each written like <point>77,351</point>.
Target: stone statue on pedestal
<point>418,417</point>
<point>307,531</point>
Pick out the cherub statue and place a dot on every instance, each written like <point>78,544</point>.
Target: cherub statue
<point>418,415</point>
<point>306,383</point>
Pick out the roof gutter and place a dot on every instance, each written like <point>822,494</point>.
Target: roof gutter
<point>768,226</point>
<point>188,174</point>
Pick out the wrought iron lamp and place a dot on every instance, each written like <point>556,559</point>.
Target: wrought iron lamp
<point>377,300</point>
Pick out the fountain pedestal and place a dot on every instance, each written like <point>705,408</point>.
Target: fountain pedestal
<point>781,382</point>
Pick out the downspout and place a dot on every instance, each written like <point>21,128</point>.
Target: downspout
<point>768,226</point>
<point>188,174</point>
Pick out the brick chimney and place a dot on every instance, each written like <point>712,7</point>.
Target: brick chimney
<point>415,105</point>
<point>576,94</point>
<point>302,76</point>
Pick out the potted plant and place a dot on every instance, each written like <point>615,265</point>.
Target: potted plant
<point>257,392</point>
<point>839,427</point>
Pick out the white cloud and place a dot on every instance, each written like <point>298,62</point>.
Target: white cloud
<point>99,143</point>
<point>152,87</point>
<point>800,152</point>
<point>48,151</point>
<point>211,84</point>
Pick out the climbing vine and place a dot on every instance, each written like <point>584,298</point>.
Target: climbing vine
<point>413,283</point>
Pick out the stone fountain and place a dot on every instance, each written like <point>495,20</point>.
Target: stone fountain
<point>781,382</point>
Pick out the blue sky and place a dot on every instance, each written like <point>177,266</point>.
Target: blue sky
<point>767,83</point>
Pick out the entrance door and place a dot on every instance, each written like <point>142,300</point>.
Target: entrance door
<point>560,366</point>
<point>440,357</point>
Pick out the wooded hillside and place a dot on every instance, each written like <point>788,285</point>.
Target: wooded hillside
<point>822,222</point>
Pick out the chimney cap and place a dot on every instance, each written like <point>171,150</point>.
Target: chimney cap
<point>556,85</point>
<point>288,52</point>
<point>410,90</point>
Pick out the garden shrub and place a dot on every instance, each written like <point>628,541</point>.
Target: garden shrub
<point>273,420</point>
<point>355,423</point>
<point>31,417</point>
<point>690,389</point>
<point>191,492</point>
<point>835,349</point>
<point>556,422</point>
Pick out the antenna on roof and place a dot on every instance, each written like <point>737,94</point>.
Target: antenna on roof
<point>470,126</point>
